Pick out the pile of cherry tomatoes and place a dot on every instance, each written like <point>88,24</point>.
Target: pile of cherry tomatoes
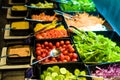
<point>68,53</point>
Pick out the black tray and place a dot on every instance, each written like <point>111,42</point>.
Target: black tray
<point>20,32</point>
<point>40,68</point>
<point>37,12</point>
<point>28,4</point>
<point>18,13</point>
<point>18,60</point>
<point>112,35</point>
<point>53,41</point>
<point>93,69</point>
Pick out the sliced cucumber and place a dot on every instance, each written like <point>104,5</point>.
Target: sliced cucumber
<point>54,74</point>
<point>77,72</point>
<point>48,78</point>
<point>63,70</point>
<point>50,69</point>
<point>56,69</point>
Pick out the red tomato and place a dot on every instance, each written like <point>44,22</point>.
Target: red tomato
<point>64,46</point>
<point>62,49</point>
<point>38,52</point>
<point>38,48</point>
<point>71,55</point>
<point>43,55</point>
<point>47,47</point>
<point>64,60</point>
<point>38,36</point>
<point>61,57</point>
<point>53,59</point>
<point>39,57</point>
<point>46,60</point>
<point>67,58</point>
<point>50,45</point>
<point>67,42</point>
<point>75,56</point>
<point>57,44</point>
<point>38,45</point>
<point>72,50</point>
<point>74,60</point>
<point>43,45</point>
<point>65,52</point>
<point>62,42</point>
<point>69,46</point>
<point>46,43</point>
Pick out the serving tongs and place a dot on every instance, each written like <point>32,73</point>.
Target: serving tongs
<point>66,15</point>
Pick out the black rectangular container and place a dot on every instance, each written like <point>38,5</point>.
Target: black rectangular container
<point>40,45</point>
<point>69,66</point>
<point>34,4</point>
<point>47,12</point>
<point>58,25</point>
<point>17,12</point>
<point>18,59</point>
<point>20,32</point>
<point>109,66</point>
<point>96,58</point>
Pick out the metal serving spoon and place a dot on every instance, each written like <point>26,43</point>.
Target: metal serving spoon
<point>53,53</point>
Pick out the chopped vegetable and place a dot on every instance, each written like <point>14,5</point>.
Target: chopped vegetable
<point>63,74</point>
<point>78,5</point>
<point>109,72</point>
<point>86,22</point>
<point>42,5</point>
<point>44,17</point>
<point>95,48</point>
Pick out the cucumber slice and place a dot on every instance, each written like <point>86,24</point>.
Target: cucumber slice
<point>50,69</point>
<point>48,78</point>
<point>83,73</point>
<point>56,69</point>
<point>42,77</point>
<point>54,74</point>
<point>63,70</point>
<point>76,72</point>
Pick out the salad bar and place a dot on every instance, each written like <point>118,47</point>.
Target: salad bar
<point>88,47</point>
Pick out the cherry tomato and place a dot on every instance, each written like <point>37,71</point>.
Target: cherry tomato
<point>38,45</point>
<point>47,47</point>
<point>72,50</point>
<point>75,56</point>
<point>71,55</point>
<point>46,43</point>
<point>61,57</point>
<point>62,42</point>
<point>50,45</point>
<point>43,55</point>
<point>67,42</point>
<point>38,36</point>
<point>64,60</point>
<point>74,60</point>
<point>38,48</point>
<point>39,57</point>
<point>64,46</point>
<point>67,58</point>
<point>69,46</point>
<point>65,52</point>
<point>57,44</point>
<point>43,45</point>
<point>38,52</point>
<point>53,59</point>
<point>46,60</point>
